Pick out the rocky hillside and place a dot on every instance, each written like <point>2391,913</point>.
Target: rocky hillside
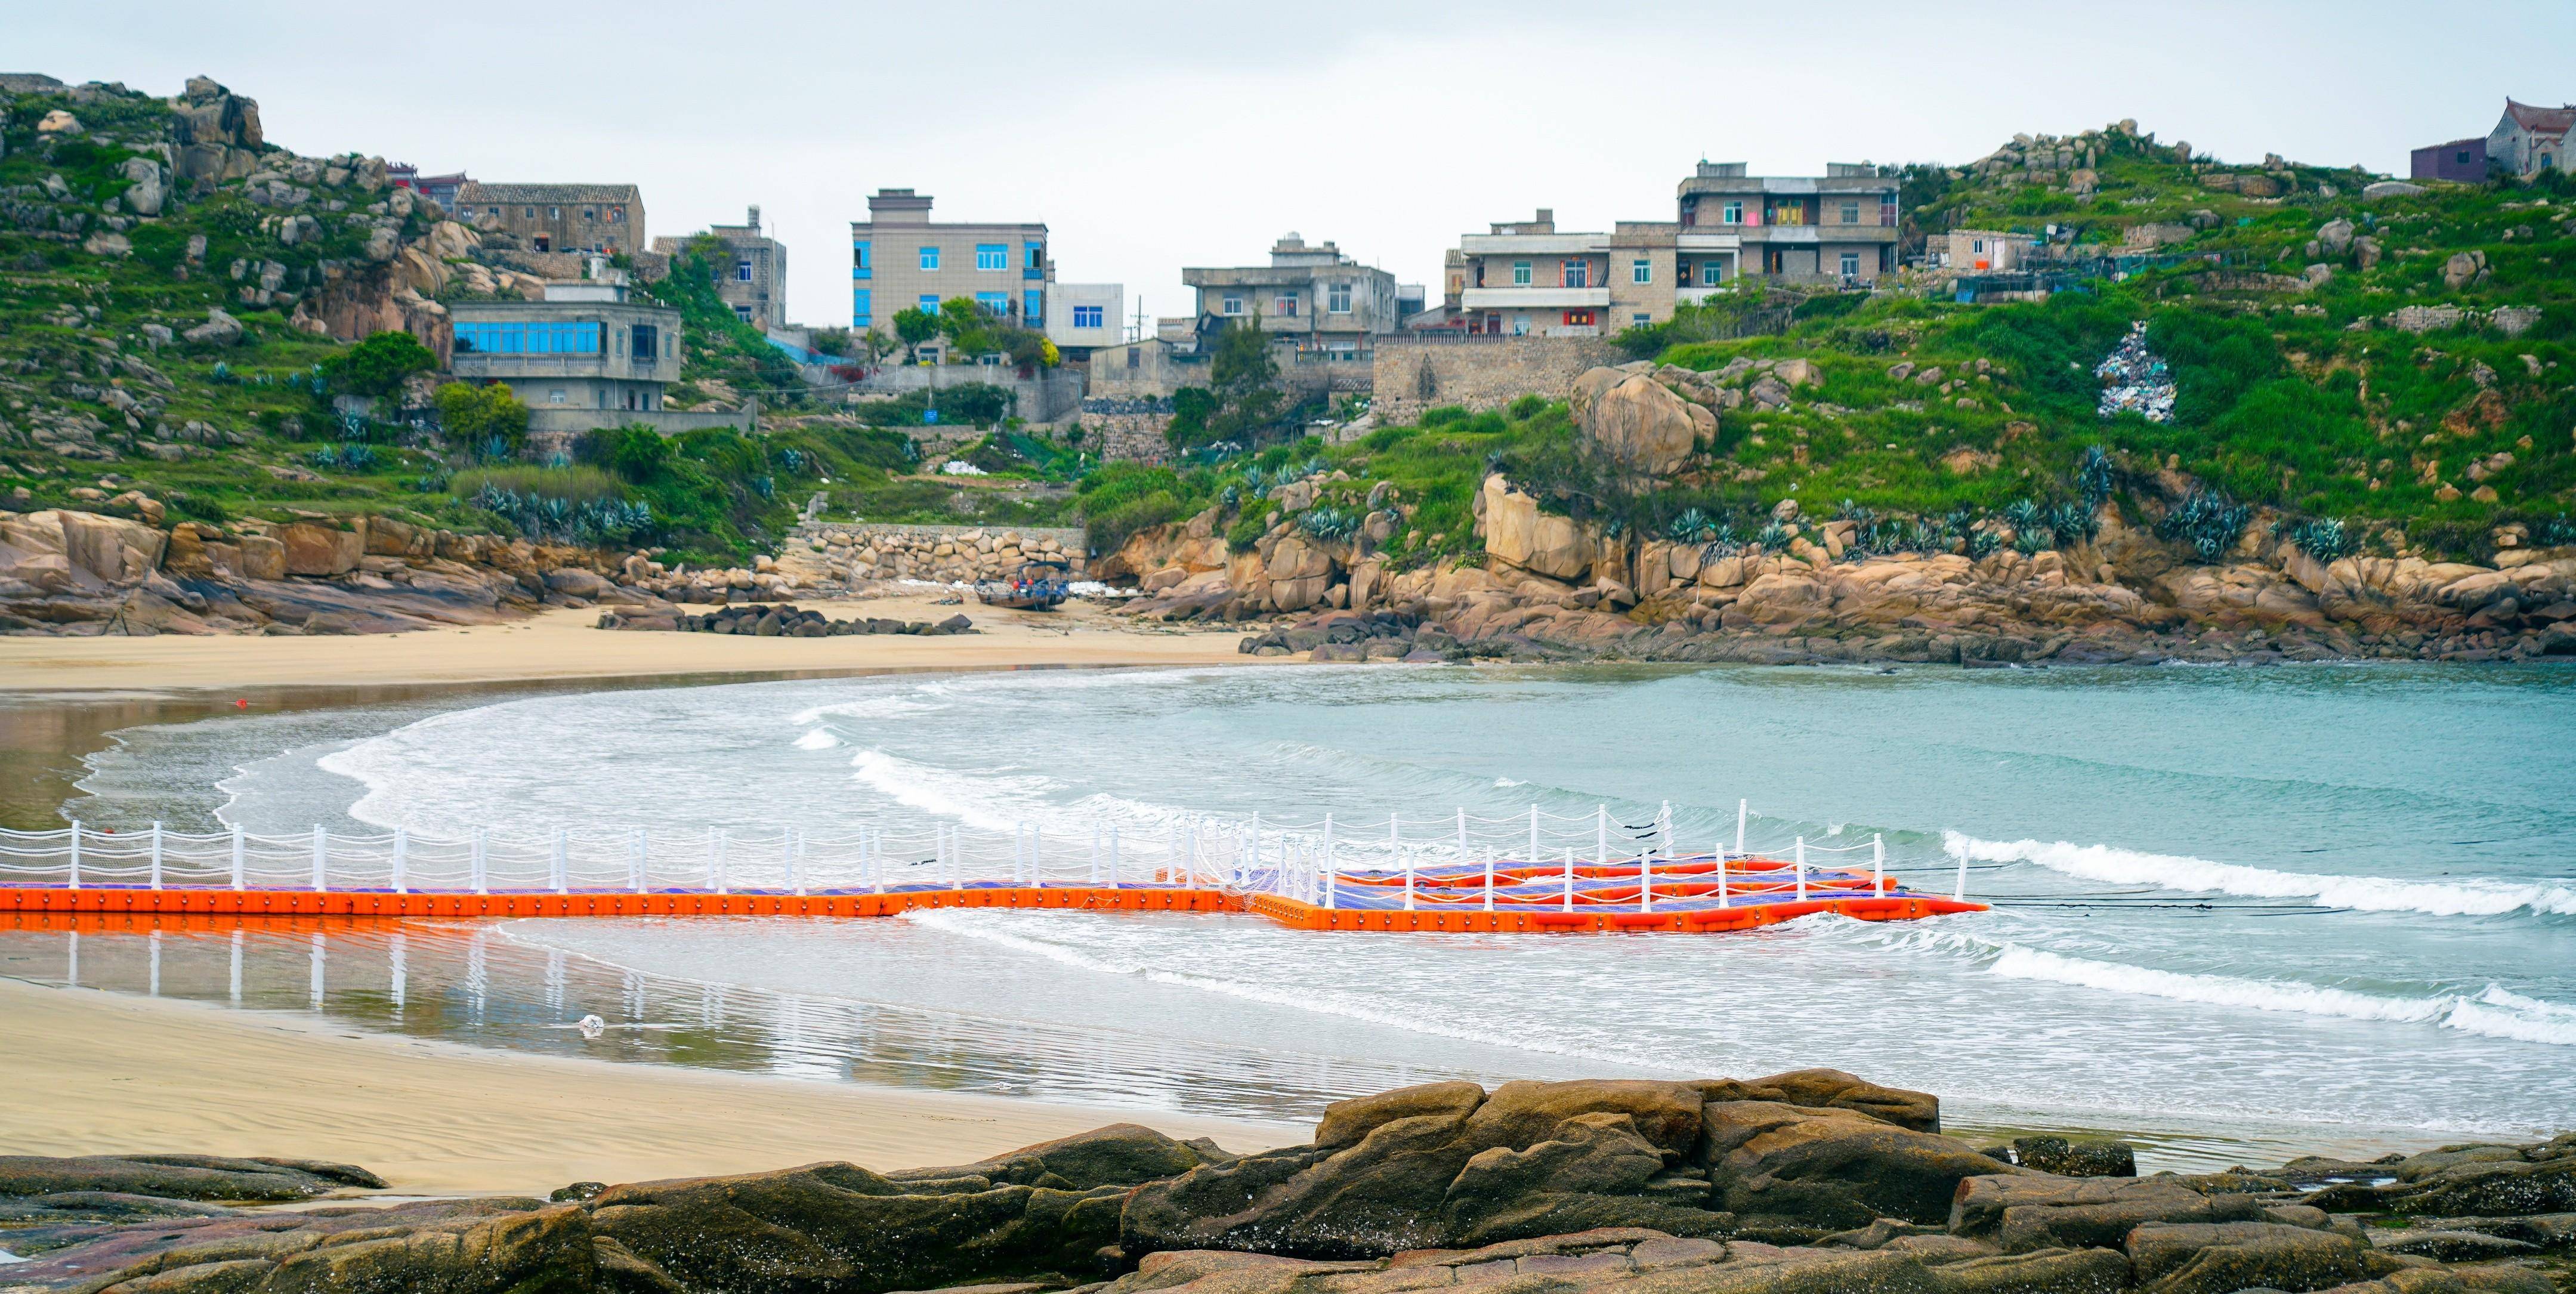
<point>1811,1182</point>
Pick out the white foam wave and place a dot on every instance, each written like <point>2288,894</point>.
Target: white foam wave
<point>1293,997</point>
<point>2494,1012</point>
<point>817,739</point>
<point>874,707</point>
<point>978,800</point>
<point>2450,898</point>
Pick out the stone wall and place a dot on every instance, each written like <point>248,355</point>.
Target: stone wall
<point>861,550</point>
<point>1414,373</point>
<point>1128,431</point>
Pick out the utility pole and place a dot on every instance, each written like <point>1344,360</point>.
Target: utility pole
<point>1136,329</point>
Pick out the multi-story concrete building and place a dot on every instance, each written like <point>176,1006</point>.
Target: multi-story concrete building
<point>557,217</point>
<point>1841,228</point>
<point>1527,277</point>
<point>900,259</point>
<point>753,280</point>
<point>586,346</point>
<point>1083,317</point>
<point>1980,250</point>
<point>1313,295</point>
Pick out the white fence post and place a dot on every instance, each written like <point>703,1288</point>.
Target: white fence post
<point>639,859</point>
<point>1037,853</point>
<point>795,874</point>
<point>1113,855</point>
<point>562,862</point>
<point>321,858</point>
<point>1568,905</point>
<point>1959,892</point>
<point>956,865</point>
<point>156,884</point>
<point>1739,828</point>
<point>1244,868</point>
<point>75,873</point>
<point>1324,873</point>
<point>402,860</point>
<point>1802,869</point>
<point>239,857</point>
<point>482,860</point>
<point>1878,864</point>
<point>716,860</point>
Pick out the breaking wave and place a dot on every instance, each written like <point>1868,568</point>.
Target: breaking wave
<point>2470,898</point>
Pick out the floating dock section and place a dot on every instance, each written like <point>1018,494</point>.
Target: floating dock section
<point>1311,876</point>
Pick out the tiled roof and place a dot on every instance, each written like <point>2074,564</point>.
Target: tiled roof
<point>2552,121</point>
<point>480,192</point>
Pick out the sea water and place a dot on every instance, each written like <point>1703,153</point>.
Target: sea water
<point>2292,906</point>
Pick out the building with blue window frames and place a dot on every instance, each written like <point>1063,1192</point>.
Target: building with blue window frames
<point>584,357</point>
<point>1003,267</point>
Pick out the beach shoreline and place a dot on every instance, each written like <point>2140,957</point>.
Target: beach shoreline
<point>565,644</point>
<point>119,1074</point>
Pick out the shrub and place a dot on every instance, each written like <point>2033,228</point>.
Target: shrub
<point>478,415</point>
<point>638,454</point>
<point>377,366</point>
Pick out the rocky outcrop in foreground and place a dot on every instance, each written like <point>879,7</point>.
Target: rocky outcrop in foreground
<point>1813,1182</point>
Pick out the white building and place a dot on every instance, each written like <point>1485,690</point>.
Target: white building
<point>1082,317</point>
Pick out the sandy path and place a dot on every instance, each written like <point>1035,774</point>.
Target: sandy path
<point>565,643</point>
<point>85,1072</point>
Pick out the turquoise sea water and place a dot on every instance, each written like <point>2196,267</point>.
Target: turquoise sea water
<point>2311,903</point>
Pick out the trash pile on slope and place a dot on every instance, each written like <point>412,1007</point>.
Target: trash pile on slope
<point>2134,379</point>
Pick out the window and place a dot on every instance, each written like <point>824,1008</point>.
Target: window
<point>1288,305</point>
<point>929,258</point>
<point>993,303</point>
<point>617,215</point>
<point>743,313</point>
<point>992,256</point>
<point>1578,318</point>
<point>2463,158</point>
<point>590,213</point>
<point>1233,303</point>
<point>555,395</point>
<point>648,343</point>
<point>1033,260</point>
<point>528,338</point>
<point>1033,308</point>
<point>1791,212</point>
<point>1732,213</point>
<point>1520,274</point>
<point>1641,271</point>
<point>1851,212</point>
<point>1851,264</point>
<point>554,213</point>
<point>1576,274</point>
<point>1640,319</point>
<point>928,303</point>
<point>493,210</point>
<point>1337,299</point>
<point>1712,273</point>
<point>1088,316</point>
<point>861,313</point>
<point>742,271</point>
<point>1977,245</point>
<point>528,214</point>
<point>1135,357</point>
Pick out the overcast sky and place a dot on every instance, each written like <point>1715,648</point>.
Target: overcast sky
<point>1149,136</point>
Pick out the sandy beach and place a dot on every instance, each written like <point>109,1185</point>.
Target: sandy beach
<point>86,1072</point>
<point>565,643</point>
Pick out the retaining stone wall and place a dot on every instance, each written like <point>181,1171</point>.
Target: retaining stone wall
<point>863,550</point>
<point>1416,373</point>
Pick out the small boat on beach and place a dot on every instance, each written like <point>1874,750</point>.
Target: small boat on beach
<point>1034,586</point>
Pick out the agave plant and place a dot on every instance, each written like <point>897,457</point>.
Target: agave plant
<point>1848,510</point>
<point>2322,538</point>
<point>326,457</point>
<point>1255,481</point>
<point>2074,522</point>
<point>2095,478</point>
<point>2208,521</point>
<point>2033,541</point>
<point>1774,537</point>
<point>1330,524</point>
<point>2556,532</point>
<point>1983,543</point>
<point>1689,524</point>
<point>2025,514</point>
<point>1927,536</point>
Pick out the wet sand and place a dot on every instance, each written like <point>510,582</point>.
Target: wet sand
<point>87,1072</point>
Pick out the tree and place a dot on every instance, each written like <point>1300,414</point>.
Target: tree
<point>378,365</point>
<point>912,327</point>
<point>478,414</point>
<point>639,454</point>
<point>1242,365</point>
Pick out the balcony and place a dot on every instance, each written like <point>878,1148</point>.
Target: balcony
<point>1534,298</point>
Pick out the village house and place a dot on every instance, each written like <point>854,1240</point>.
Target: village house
<point>901,260</point>
<point>1314,296</point>
<point>1840,228</point>
<point>586,357</point>
<point>2462,161</point>
<point>1980,250</point>
<point>2529,139</point>
<point>441,189</point>
<point>607,218</point>
<point>752,278</point>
